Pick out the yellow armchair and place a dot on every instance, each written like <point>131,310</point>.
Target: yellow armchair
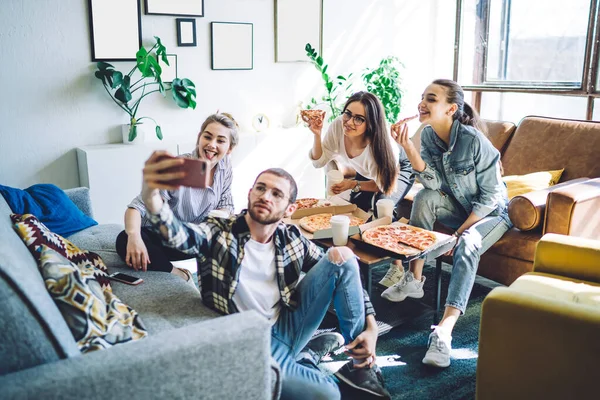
<point>540,337</point>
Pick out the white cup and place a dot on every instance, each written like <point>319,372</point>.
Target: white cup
<point>339,227</point>
<point>334,176</point>
<point>218,214</point>
<point>385,208</point>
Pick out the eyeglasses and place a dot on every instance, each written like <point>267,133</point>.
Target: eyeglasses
<point>358,119</point>
<point>276,194</point>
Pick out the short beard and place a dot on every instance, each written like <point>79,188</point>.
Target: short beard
<point>266,220</point>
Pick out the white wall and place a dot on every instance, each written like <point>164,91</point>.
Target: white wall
<point>52,104</point>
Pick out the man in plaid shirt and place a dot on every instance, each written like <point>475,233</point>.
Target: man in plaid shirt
<point>253,261</point>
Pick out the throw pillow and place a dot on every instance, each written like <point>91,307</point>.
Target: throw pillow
<point>520,184</point>
<point>51,205</point>
<point>96,317</point>
<point>35,234</point>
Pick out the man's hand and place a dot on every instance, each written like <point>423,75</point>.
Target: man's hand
<point>137,253</point>
<point>363,348</point>
<point>156,178</point>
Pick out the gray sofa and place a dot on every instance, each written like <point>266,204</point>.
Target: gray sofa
<point>191,352</point>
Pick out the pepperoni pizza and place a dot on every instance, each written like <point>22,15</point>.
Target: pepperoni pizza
<point>316,222</point>
<point>401,239</point>
<point>313,117</point>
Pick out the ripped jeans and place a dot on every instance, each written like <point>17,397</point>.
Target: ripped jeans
<point>325,281</point>
<point>434,205</point>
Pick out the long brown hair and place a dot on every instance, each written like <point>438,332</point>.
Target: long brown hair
<point>376,132</point>
<point>465,113</point>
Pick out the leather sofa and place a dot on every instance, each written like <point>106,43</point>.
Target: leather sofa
<point>539,337</point>
<point>569,208</point>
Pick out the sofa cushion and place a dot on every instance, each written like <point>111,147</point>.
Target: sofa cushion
<point>100,239</point>
<point>50,205</point>
<point>96,317</point>
<point>517,244</point>
<point>35,234</point>
<point>520,184</point>
<point>559,288</point>
<point>527,211</point>
<point>33,330</point>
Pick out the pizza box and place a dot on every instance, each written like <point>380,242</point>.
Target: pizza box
<point>443,242</point>
<point>336,207</point>
<point>350,210</point>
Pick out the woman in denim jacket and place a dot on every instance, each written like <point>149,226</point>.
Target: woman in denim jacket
<point>460,171</point>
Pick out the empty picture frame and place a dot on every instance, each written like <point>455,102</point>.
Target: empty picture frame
<point>115,36</point>
<point>186,31</point>
<point>169,72</point>
<point>232,45</point>
<point>297,23</point>
<point>191,8</point>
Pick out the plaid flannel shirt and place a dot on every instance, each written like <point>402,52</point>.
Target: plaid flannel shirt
<point>218,243</point>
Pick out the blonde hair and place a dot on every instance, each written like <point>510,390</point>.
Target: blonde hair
<point>227,121</point>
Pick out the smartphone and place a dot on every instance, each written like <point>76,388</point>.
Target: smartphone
<point>196,173</point>
<point>128,279</point>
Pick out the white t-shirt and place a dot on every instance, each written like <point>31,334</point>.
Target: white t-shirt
<point>257,287</point>
<point>333,148</point>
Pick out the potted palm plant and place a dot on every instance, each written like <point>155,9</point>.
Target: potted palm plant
<point>128,94</point>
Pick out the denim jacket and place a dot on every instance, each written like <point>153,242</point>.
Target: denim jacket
<point>469,167</point>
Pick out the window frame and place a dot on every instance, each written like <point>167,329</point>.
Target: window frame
<point>587,88</point>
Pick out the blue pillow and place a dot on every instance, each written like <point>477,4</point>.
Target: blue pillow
<point>50,205</point>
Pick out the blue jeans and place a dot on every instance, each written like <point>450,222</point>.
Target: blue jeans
<point>292,331</point>
<point>434,205</point>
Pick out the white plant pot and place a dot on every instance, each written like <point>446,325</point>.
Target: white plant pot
<point>139,139</point>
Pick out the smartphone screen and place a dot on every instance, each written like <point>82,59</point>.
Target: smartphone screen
<point>132,280</point>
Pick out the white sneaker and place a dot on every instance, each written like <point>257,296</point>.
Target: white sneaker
<point>408,286</point>
<point>438,354</point>
<point>392,276</point>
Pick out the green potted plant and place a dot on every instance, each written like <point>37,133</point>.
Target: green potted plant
<point>384,82</point>
<point>128,95</point>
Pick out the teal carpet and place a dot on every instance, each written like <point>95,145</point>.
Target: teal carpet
<point>400,351</point>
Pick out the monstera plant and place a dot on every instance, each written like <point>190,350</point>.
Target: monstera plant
<point>128,91</point>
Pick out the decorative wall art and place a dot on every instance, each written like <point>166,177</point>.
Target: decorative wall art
<point>191,8</point>
<point>186,31</point>
<point>297,23</point>
<point>232,45</point>
<point>115,36</point>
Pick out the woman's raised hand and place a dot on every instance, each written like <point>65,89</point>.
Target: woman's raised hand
<point>399,132</point>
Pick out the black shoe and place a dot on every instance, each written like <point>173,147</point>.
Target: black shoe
<point>322,344</point>
<point>367,379</point>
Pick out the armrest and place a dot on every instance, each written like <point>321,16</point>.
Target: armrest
<point>568,256</point>
<point>526,211</point>
<point>531,347</point>
<point>573,210</point>
<point>81,197</point>
<point>223,358</point>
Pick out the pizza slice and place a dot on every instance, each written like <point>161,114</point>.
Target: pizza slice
<point>307,202</point>
<point>313,117</point>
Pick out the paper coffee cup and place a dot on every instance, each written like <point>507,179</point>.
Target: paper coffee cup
<point>385,208</point>
<point>218,214</point>
<point>339,227</point>
<point>334,176</point>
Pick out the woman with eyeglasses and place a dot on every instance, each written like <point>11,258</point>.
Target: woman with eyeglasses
<point>360,139</point>
<point>142,249</point>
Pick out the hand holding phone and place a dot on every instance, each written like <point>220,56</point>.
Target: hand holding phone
<point>196,173</point>
<point>124,278</point>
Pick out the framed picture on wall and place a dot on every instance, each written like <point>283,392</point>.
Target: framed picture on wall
<point>169,72</point>
<point>186,31</point>
<point>296,24</point>
<point>191,8</point>
<point>115,36</point>
<point>232,45</point>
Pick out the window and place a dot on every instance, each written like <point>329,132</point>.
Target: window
<point>523,43</point>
